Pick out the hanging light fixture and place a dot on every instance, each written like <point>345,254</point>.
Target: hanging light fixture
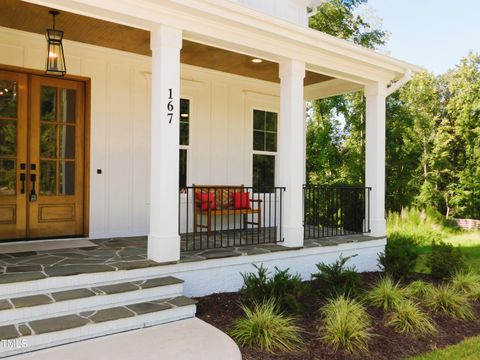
<point>55,59</point>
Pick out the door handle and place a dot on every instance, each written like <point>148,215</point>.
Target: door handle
<point>33,194</point>
<point>22,179</point>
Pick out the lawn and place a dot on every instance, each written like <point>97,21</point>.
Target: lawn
<point>469,242</point>
<point>428,227</point>
<point>466,350</point>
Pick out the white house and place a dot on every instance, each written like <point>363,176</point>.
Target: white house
<point>160,95</point>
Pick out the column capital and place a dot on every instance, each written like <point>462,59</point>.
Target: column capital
<point>291,68</point>
<point>165,36</point>
<point>376,89</point>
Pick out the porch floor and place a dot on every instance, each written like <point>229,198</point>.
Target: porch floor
<point>126,254</point>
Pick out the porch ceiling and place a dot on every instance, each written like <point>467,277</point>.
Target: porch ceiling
<point>33,18</point>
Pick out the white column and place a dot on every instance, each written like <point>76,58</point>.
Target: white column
<point>291,150</point>
<point>163,239</point>
<point>375,95</point>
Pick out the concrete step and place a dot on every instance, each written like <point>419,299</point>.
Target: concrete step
<point>39,306</point>
<point>21,337</point>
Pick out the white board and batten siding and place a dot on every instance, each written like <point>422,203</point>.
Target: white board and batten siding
<point>221,125</point>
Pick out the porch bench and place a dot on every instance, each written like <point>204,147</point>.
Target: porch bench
<point>218,200</point>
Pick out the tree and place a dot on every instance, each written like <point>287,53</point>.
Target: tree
<point>335,129</point>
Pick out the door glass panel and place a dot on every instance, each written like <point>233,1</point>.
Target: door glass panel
<point>48,103</point>
<point>68,101</point>
<point>8,137</point>
<point>8,98</point>
<point>7,177</point>
<point>67,178</point>
<point>48,141</point>
<point>67,141</point>
<point>48,177</point>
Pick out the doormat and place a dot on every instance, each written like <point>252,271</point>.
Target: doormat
<point>44,245</point>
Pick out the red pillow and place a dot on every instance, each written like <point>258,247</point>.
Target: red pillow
<point>207,201</point>
<point>241,200</point>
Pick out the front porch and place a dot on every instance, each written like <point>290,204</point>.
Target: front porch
<point>111,255</point>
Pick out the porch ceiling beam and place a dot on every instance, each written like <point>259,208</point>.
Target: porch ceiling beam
<point>330,88</point>
<point>225,24</point>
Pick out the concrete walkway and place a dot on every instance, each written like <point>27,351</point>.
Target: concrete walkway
<point>191,339</point>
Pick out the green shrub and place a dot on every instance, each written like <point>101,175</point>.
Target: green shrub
<point>346,325</point>
<point>468,283</point>
<point>446,300</point>
<point>284,288</point>
<point>264,327</point>
<point>407,317</point>
<point>337,279</point>
<point>444,260</point>
<point>399,258</point>
<point>386,294</point>
<point>418,289</point>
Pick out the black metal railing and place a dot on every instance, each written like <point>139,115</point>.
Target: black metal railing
<point>227,216</point>
<point>335,210</point>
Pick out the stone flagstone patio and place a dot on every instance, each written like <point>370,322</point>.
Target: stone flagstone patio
<point>125,254</point>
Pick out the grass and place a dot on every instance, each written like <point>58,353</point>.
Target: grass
<point>346,325</point>
<point>466,350</point>
<point>408,318</point>
<point>264,327</point>
<point>386,294</point>
<point>425,228</point>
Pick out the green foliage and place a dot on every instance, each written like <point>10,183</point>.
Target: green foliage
<point>467,282</point>
<point>386,294</point>
<point>418,289</point>
<point>284,288</point>
<point>446,300</point>
<point>444,260</point>
<point>340,18</point>
<point>337,279</point>
<point>407,317</point>
<point>399,258</point>
<point>346,325</point>
<point>265,328</point>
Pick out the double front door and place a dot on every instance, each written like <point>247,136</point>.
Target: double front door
<point>41,156</point>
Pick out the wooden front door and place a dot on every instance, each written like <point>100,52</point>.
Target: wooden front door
<point>42,172</point>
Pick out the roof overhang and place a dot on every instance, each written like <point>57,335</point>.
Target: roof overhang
<point>230,26</point>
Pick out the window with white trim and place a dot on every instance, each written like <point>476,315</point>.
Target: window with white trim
<point>264,150</point>
<point>184,143</point>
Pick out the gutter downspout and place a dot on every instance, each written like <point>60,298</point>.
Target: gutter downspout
<point>397,85</point>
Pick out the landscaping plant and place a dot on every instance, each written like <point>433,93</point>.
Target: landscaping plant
<point>408,317</point>
<point>386,294</point>
<point>467,282</point>
<point>418,289</point>
<point>446,300</point>
<point>284,288</point>
<point>444,260</point>
<point>399,258</point>
<point>346,325</point>
<point>264,327</point>
<point>338,279</point>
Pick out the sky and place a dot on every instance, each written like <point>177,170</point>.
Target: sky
<point>434,34</point>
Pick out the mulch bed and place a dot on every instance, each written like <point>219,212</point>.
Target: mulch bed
<point>221,309</point>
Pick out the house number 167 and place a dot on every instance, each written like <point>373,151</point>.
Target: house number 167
<point>170,106</point>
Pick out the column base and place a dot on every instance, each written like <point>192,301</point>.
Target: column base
<point>292,236</point>
<point>378,228</point>
<point>164,249</point>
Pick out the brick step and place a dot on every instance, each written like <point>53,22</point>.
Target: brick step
<point>38,306</point>
<point>21,337</point>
